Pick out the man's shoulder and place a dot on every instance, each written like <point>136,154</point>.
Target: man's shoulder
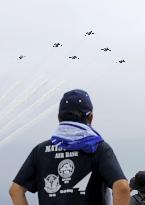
<point>103,150</point>
<point>103,146</point>
<point>45,143</point>
<point>42,145</point>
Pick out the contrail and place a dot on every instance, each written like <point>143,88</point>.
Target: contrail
<point>19,104</point>
<point>17,100</point>
<point>13,135</point>
<point>29,110</point>
<point>9,95</point>
<point>29,91</point>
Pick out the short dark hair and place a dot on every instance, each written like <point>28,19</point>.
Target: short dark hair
<point>74,116</point>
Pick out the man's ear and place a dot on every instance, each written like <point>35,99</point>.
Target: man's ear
<point>90,118</point>
<point>59,119</point>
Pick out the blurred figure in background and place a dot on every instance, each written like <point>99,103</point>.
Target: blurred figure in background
<point>138,183</point>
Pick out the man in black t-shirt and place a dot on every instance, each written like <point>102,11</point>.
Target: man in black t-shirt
<point>74,167</point>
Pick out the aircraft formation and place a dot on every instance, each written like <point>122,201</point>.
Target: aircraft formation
<point>89,33</point>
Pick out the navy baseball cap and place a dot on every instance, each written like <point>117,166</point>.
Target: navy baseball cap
<point>76,100</point>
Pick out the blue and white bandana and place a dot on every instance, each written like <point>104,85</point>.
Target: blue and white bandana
<point>76,136</point>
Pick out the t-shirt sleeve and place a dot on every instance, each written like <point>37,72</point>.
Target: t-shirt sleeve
<point>109,166</point>
<point>27,175</point>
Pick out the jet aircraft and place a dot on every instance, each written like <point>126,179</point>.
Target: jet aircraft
<point>105,49</point>
<point>121,61</point>
<point>21,57</point>
<point>73,57</point>
<point>56,45</point>
<point>89,33</point>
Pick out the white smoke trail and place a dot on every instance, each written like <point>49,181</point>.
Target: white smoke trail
<point>17,121</point>
<point>20,103</point>
<point>22,95</point>
<point>9,95</point>
<point>13,135</point>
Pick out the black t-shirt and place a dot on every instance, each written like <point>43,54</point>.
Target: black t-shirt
<point>69,177</point>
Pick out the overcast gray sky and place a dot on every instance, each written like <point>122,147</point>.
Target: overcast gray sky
<point>31,88</point>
